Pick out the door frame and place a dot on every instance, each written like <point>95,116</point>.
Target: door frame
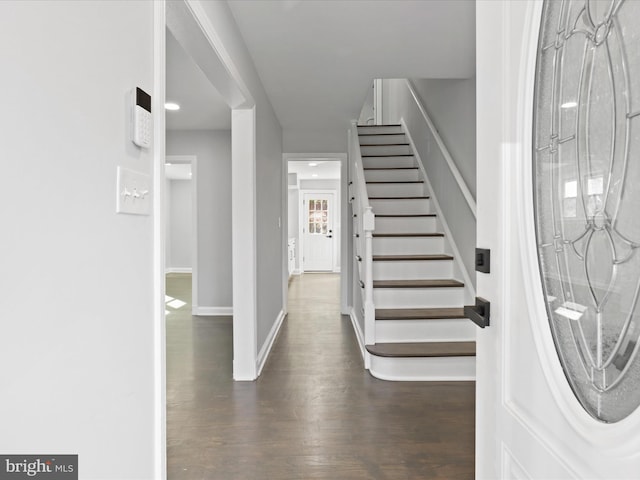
<point>301,221</point>
<point>346,246</point>
<point>193,161</point>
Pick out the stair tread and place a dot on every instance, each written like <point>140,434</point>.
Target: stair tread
<point>380,126</point>
<point>404,215</point>
<point>386,144</point>
<point>377,134</point>
<point>396,155</point>
<point>424,349</point>
<point>395,181</point>
<point>390,168</point>
<point>400,198</point>
<point>418,313</point>
<point>426,283</point>
<point>399,235</point>
<point>392,258</point>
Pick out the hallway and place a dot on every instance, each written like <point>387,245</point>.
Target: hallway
<point>315,413</point>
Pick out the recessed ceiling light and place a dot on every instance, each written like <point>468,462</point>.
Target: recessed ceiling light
<point>313,164</point>
<point>314,175</point>
<point>569,105</point>
<point>171,106</point>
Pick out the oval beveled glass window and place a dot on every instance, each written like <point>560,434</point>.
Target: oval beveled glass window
<point>586,160</point>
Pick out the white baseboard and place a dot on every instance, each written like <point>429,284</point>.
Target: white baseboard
<point>268,343</point>
<point>296,272</point>
<point>211,311</point>
<point>179,270</point>
<point>336,270</point>
<point>360,336</point>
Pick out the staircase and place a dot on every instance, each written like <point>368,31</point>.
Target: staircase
<point>420,331</point>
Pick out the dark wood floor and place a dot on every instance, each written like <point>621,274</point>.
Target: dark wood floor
<point>315,413</point>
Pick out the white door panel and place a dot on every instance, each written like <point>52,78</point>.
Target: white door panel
<point>529,422</point>
<point>318,231</point>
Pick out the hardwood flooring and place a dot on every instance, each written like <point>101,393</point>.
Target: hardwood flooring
<point>315,413</point>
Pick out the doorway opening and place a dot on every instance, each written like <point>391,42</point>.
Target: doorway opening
<point>314,214</point>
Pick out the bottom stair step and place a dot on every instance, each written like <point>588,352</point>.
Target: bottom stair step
<point>425,349</point>
<point>418,313</point>
<point>453,361</point>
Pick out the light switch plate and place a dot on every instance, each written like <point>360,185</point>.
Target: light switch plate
<point>133,192</point>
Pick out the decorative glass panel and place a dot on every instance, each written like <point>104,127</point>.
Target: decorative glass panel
<point>318,217</point>
<point>586,150</point>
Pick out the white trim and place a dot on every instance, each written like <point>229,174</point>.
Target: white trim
<point>297,271</point>
<point>378,96</point>
<point>242,98</point>
<point>159,319</point>
<point>212,311</point>
<point>468,284</point>
<point>284,235</point>
<point>244,241</point>
<point>445,152</point>
<point>314,156</point>
<point>336,270</point>
<point>179,270</point>
<point>335,245</point>
<point>269,341</point>
<point>360,337</point>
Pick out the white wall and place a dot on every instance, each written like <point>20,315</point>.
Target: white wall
<point>213,150</point>
<point>181,230</point>
<point>76,349</point>
<point>399,106</point>
<point>451,104</point>
<point>332,140</point>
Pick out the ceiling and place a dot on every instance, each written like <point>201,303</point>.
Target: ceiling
<point>201,107</point>
<point>317,58</point>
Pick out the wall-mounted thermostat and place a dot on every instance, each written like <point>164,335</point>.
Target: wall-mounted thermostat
<point>142,121</point>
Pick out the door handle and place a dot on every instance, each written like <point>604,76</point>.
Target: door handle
<point>329,236</point>
<point>478,313</point>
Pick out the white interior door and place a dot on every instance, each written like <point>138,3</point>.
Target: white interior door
<point>318,231</point>
<point>530,423</point>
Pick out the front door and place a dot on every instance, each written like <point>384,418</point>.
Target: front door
<point>318,235</point>
<point>558,370</point>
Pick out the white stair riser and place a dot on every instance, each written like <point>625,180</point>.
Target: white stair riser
<point>447,330</point>
<point>391,175</point>
<point>388,162</point>
<point>408,245</point>
<point>411,206</point>
<point>412,270</point>
<point>441,297</point>
<point>424,369</point>
<point>386,150</point>
<point>380,129</point>
<point>406,224</point>
<point>381,139</point>
<point>395,189</point>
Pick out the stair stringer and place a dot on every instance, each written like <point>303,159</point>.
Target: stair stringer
<point>450,244</point>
